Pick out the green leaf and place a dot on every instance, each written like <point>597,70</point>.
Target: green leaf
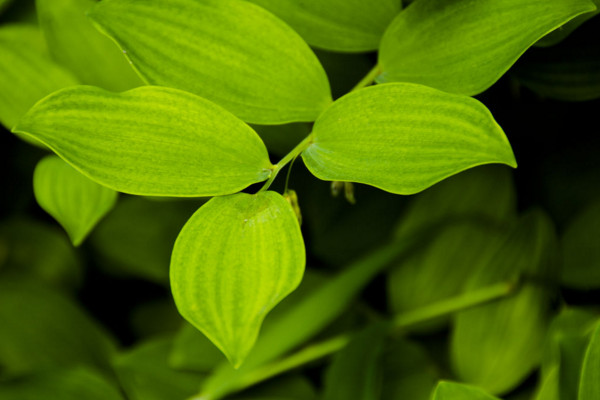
<point>4,4</point>
<point>549,386</point>
<point>497,345</point>
<point>75,43</point>
<point>465,47</point>
<point>581,249</point>
<point>364,138</point>
<point>337,25</point>
<point>589,387</point>
<point>26,72</point>
<point>76,202</point>
<point>65,384</point>
<point>355,372</point>
<point>39,251</point>
<point>136,238</point>
<point>184,145</point>
<point>145,374</point>
<point>70,337</point>
<point>563,31</point>
<point>459,391</point>
<point>193,351</point>
<point>229,51</point>
<point>234,260</point>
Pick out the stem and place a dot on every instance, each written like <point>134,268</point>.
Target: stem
<point>368,79</point>
<point>288,157</point>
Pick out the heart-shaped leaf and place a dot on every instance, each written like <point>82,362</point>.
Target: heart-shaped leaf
<point>403,138</point>
<point>232,52</point>
<point>149,141</point>
<point>234,260</point>
<point>76,202</point>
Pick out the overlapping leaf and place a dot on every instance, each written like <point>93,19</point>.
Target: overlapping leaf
<point>183,146</point>
<point>403,138</point>
<point>229,51</point>
<point>235,259</point>
<point>338,25</point>
<point>465,46</point>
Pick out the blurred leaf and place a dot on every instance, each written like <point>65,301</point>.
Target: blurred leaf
<point>137,237</point>
<point>549,386</point>
<point>362,138</point>
<point>76,44</point>
<point>581,249</point>
<point>459,391</point>
<point>76,202</point>
<point>145,374</point>
<point>4,4</point>
<point>65,384</point>
<point>338,25</point>
<point>184,146</point>
<point>408,373</point>
<point>287,387</point>
<point>30,248</point>
<point>193,351</point>
<point>567,71</point>
<point>465,47</point>
<point>43,330</point>
<point>234,260</point>
<point>26,72</point>
<point>497,345</point>
<point>440,269</point>
<point>231,52</point>
<point>563,31</point>
<point>355,372</point>
<point>155,317</point>
<point>589,388</point>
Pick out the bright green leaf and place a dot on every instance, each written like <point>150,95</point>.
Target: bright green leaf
<point>26,72</point>
<point>589,388</point>
<point>234,260</point>
<point>76,202</point>
<point>459,391</point>
<point>337,25</point>
<point>563,31</point>
<point>497,345</point>
<point>229,51</point>
<point>403,138</point>
<point>65,384</point>
<point>355,372</point>
<point>183,146</point>
<point>466,46</point>
<point>75,43</point>
<point>42,330</point>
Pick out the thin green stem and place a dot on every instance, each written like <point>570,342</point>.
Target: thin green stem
<point>285,160</point>
<point>368,79</point>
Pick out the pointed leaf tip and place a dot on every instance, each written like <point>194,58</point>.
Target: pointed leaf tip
<point>235,259</point>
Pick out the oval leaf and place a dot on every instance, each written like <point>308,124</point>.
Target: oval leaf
<point>183,145</point>
<point>75,43</point>
<point>589,386</point>
<point>337,25</point>
<point>234,260</point>
<point>403,138</point>
<point>459,391</point>
<point>465,47</point>
<point>76,202</point>
<point>230,51</point>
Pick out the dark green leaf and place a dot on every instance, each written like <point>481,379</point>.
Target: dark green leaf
<point>589,388</point>
<point>76,202</point>
<point>234,260</point>
<point>184,145</point>
<point>338,25</point>
<point>459,391</point>
<point>193,351</point>
<point>563,31</point>
<point>76,44</point>
<point>466,46</point>
<point>229,51</point>
<point>363,138</point>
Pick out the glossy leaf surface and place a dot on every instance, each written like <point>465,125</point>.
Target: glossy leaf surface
<point>589,387</point>
<point>184,145</point>
<point>337,25</point>
<point>497,345</point>
<point>234,260</point>
<point>363,137</point>
<point>26,72</point>
<point>76,202</point>
<point>459,391</point>
<point>76,44</point>
<point>229,51</point>
<point>466,46</point>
